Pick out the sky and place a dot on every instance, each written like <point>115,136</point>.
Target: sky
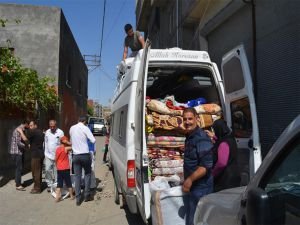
<point>85,19</point>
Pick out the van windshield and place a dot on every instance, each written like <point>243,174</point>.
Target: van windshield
<point>96,121</point>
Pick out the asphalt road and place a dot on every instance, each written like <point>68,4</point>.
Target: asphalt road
<point>23,208</point>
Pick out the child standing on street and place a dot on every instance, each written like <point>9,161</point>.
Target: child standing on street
<point>63,167</point>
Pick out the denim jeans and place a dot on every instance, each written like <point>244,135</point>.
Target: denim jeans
<point>18,160</point>
<point>82,161</point>
<point>191,201</point>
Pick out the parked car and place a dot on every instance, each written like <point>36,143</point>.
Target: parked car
<point>97,125</point>
<point>271,197</point>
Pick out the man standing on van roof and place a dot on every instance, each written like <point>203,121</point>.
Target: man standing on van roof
<point>198,162</point>
<point>134,40</point>
<point>80,134</point>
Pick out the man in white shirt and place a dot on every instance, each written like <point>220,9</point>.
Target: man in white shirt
<point>80,134</point>
<point>52,141</point>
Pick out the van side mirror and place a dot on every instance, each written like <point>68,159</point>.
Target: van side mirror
<point>266,208</point>
<point>258,207</point>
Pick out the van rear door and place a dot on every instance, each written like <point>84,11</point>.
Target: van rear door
<point>141,157</point>
<point>241,110</point>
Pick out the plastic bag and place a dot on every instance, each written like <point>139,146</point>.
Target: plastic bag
<point>158,184</point>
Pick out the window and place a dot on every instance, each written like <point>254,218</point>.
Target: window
<point>282,185</point>
<point>233,75</point>
<point>118,125</point>
<point>241,118</point>
<point>95,120</point>
<point>121,124</point>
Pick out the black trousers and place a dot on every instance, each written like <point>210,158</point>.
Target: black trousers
<point>36,169</point>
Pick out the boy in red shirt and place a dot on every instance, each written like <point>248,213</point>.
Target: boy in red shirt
<point>63,167</point>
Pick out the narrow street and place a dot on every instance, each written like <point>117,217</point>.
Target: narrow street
<point>23,208</point>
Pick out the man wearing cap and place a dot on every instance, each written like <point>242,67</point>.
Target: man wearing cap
<point>52,141</point>
<point>80,134</point>
<point>134,40</point>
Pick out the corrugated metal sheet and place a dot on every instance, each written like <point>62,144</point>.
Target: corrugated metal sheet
<point>278,65</point>
<point>278,81</point>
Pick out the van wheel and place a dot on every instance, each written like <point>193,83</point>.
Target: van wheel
<point>116,194</point>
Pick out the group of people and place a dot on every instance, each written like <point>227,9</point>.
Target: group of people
<point>210,162</point>
<point>53,148</point>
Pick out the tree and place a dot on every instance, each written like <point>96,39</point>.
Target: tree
<point>22,87</point>
<point>90,110</point>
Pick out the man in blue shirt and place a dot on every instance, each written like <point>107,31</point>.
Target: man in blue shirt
<point>198,163</point>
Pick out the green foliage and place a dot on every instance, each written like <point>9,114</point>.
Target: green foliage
<point>3,22</point>
<point>22,87</point>
<point>90,110</point>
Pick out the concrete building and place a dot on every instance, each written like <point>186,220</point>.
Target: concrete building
<point>98,109</point>
<point>106,112</point>
<point>101,110</point>
<point>43,41</point>
<point>269,31</point>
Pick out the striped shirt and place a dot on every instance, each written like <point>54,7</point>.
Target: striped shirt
<point>16,141</point>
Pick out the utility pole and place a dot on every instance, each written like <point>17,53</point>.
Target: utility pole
<point>92,62</point>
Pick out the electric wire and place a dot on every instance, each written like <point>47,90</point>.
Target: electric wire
<point>103,20</point>
<point>107,75</point>
<point>115,20</point>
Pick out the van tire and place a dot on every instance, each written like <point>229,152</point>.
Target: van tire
<point>116,194</point>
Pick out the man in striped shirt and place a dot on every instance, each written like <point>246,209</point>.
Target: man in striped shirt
<point>16,151</point>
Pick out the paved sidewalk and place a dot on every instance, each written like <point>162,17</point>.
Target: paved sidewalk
<point>23,208</point>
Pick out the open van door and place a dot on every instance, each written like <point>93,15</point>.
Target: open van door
<point>141,157</point>
<point>241,110</point>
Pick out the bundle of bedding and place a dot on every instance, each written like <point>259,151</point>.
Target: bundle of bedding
<point>160,116</point>
<point>165,141</point>
<point>166,153</point>
<point>166,133</point>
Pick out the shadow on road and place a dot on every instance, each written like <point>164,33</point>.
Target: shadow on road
<point>28,182</point>
<point>133,219</point>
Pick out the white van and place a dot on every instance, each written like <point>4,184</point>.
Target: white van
<point>185,75</point>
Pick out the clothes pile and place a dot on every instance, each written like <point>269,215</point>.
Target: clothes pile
<point>166,133</point>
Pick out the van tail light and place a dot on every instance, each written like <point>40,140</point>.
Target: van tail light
<point>130,173</point>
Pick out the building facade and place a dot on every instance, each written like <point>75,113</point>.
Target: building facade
<point>43,41</point>
<point>268,30</point>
